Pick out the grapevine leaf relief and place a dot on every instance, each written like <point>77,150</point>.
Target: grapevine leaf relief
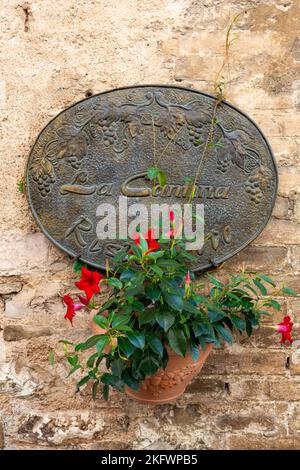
<point>116,125</point>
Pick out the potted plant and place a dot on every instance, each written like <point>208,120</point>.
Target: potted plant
<point>157,327</point>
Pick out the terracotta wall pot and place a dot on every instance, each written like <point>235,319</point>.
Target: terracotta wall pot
<point>169,383</point>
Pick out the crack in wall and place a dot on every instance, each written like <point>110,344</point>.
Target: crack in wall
<point>27,15</point>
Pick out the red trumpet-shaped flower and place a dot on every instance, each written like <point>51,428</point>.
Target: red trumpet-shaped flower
<point>188,279</point>
<point>89,283</point>
<point>150,239</point>
<point>72,307</point>
<point>285,328</point>
<point>171,215</point>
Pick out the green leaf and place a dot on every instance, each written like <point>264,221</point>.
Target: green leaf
<point>127,275</point>
<point>64,341</point>
<point>119,256</point>
<point>264,312</point>
<point>125,345</point>
<point>165,319</point>
<point>113,282</point>
<point>51,357</point>
<point>155,255</point>
<point>149,365</point>
<point>153,292</point>
<point>273,303</point>
<point>135,364</point>
<point>186,255</point>
<point>137,279</point>
<point>152,172</point>
<point>92,375</point>
<point>72,360</point>
<point>134,291</point>
<point>105,392</point>
<point>90,342</point>
<point>137,250</point>
<point>247,286</point>
<point>200,328</point>
<point>188,307</point>
<point>174,301</point>
<point>137,305</point>
<point>113,381</point>
<point>200,298</point>
<point>170,286</point>
<point>224,332</point>
<point>162,178</point>
<point>74,369</point>
<point>20,185</point>
<point>202,343</point>
<point>101,321</point>
<point>157,270</point>
<point>100,345</point>
<point>120,320</point>
<point>129,380</point>
<point>125,310</point>
<point>168,264</point>
<point>289,291</point>
<point>91,360</point>
<point>249,329</point>
<point>231,295</point>
<point>156,345</point>
<point>215,315</point>
<point>83,381</point>
<point>137,339</point>
<point>194,349</point>
<point>143,244</point>
<point>177,341</point>
<point>215,281</point>
<point>107,305</point>
<point>77,266</point>
<point>147,316</point>
<point>267,279</point>
<point>117,367</point>
<point>237,322</point>
<point>260,286</point>
<point>95,388</point>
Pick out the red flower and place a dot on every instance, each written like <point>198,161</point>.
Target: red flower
<point>83,300</point>
<point>89,283</point>
<point>171,215</point>
<point>285,328</point>
<point>71,308</point>
<point>169,234</point>
<point>150,239</point>
<point>188,279</point>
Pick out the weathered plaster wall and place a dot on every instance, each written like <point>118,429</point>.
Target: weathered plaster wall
<point>53,53</point>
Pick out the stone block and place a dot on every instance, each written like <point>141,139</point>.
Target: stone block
<point>7,288</point>
<point>289,181</point>
<point>23,254</point>
<point>279,232</point>
<point>18,332</point>
<point>41,296</point>
<point>245,362</point>
<point>259,442</point>
<point>281,208</point>
<point>271,259</point>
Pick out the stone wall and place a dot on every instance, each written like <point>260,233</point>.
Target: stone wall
<point>54,53</point>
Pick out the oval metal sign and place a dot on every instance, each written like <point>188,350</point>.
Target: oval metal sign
<point>101,148</point>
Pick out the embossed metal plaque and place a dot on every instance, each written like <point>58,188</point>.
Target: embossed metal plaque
<point>101,147</point>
